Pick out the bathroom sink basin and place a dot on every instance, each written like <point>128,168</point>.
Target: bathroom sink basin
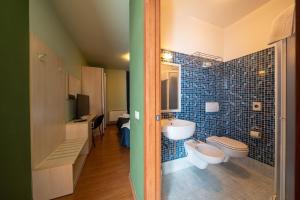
<point>177,129</point>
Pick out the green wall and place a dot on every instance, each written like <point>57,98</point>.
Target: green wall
<point>15,170</point>
<point>46,25</point>
<point>137,96</point>
<point>116,89</point>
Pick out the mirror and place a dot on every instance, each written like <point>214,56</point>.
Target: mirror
<point>170,87</point>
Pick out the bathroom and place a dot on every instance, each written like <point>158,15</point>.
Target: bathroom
<point>219,96</point>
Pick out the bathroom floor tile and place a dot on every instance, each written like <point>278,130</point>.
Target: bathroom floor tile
<point>226,181</point>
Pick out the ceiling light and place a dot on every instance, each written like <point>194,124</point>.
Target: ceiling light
<point>167,56</point>
<point>206,64</point>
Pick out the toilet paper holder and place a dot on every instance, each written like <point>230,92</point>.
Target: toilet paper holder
<point>256,134</point>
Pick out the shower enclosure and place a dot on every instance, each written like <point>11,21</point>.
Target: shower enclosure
<point>285,119</point>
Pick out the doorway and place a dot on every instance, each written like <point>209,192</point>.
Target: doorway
<point>268,162</point>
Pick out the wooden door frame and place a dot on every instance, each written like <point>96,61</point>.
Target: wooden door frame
<point>297,136</point>
<point>152,131</point>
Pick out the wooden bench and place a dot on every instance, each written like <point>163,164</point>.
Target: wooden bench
<point>58,173</point>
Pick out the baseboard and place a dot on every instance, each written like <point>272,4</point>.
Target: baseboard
<point>132,188</point>
<point>175,165</point>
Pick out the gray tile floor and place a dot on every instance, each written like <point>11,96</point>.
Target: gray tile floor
<point>226,181</point>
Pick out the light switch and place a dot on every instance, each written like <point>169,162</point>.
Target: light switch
<point>137,115</point>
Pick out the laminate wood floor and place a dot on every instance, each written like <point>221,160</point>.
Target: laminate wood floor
<point>106,171</point>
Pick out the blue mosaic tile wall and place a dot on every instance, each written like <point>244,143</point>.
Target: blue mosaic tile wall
<point>235,85</point>
<point>246,80</point>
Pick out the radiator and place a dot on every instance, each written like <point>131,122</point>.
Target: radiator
<point>115,114</point>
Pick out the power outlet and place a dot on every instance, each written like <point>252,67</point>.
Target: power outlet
<point>257,106</point>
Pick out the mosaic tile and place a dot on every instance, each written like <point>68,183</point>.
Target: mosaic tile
<point>235,85</point>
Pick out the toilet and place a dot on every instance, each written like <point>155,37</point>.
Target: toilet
<point>230,147</point>
<point>201,154</point>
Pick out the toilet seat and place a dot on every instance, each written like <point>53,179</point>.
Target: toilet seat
<point>231,147</point>
<point>229,143</point>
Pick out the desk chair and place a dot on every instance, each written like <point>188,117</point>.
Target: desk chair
<point>97,121</point>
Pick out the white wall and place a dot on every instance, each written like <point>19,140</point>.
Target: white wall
<point>115,90</point>
<point>251,33</point>
<point>183,33</point>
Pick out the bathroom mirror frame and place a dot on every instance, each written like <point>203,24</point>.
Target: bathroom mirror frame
<point>179,87</point>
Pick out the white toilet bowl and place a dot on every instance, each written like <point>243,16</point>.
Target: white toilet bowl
<point>231,147</point>
<point>201,154</point>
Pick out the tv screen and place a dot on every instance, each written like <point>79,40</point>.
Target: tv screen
<point>82,105</point>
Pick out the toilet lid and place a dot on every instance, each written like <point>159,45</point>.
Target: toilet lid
<point>229,143</point>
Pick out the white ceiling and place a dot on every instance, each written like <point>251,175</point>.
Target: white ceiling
<point>221,13</point>
<point>100,28</point>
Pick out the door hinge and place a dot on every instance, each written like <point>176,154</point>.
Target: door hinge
<point>157,117</point>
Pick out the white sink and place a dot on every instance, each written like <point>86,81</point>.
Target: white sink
<point>177,129</point>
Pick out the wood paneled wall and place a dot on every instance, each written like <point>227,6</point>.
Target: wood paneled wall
<point>47,100</point>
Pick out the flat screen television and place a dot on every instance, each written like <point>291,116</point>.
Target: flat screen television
<point>82,105</point>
